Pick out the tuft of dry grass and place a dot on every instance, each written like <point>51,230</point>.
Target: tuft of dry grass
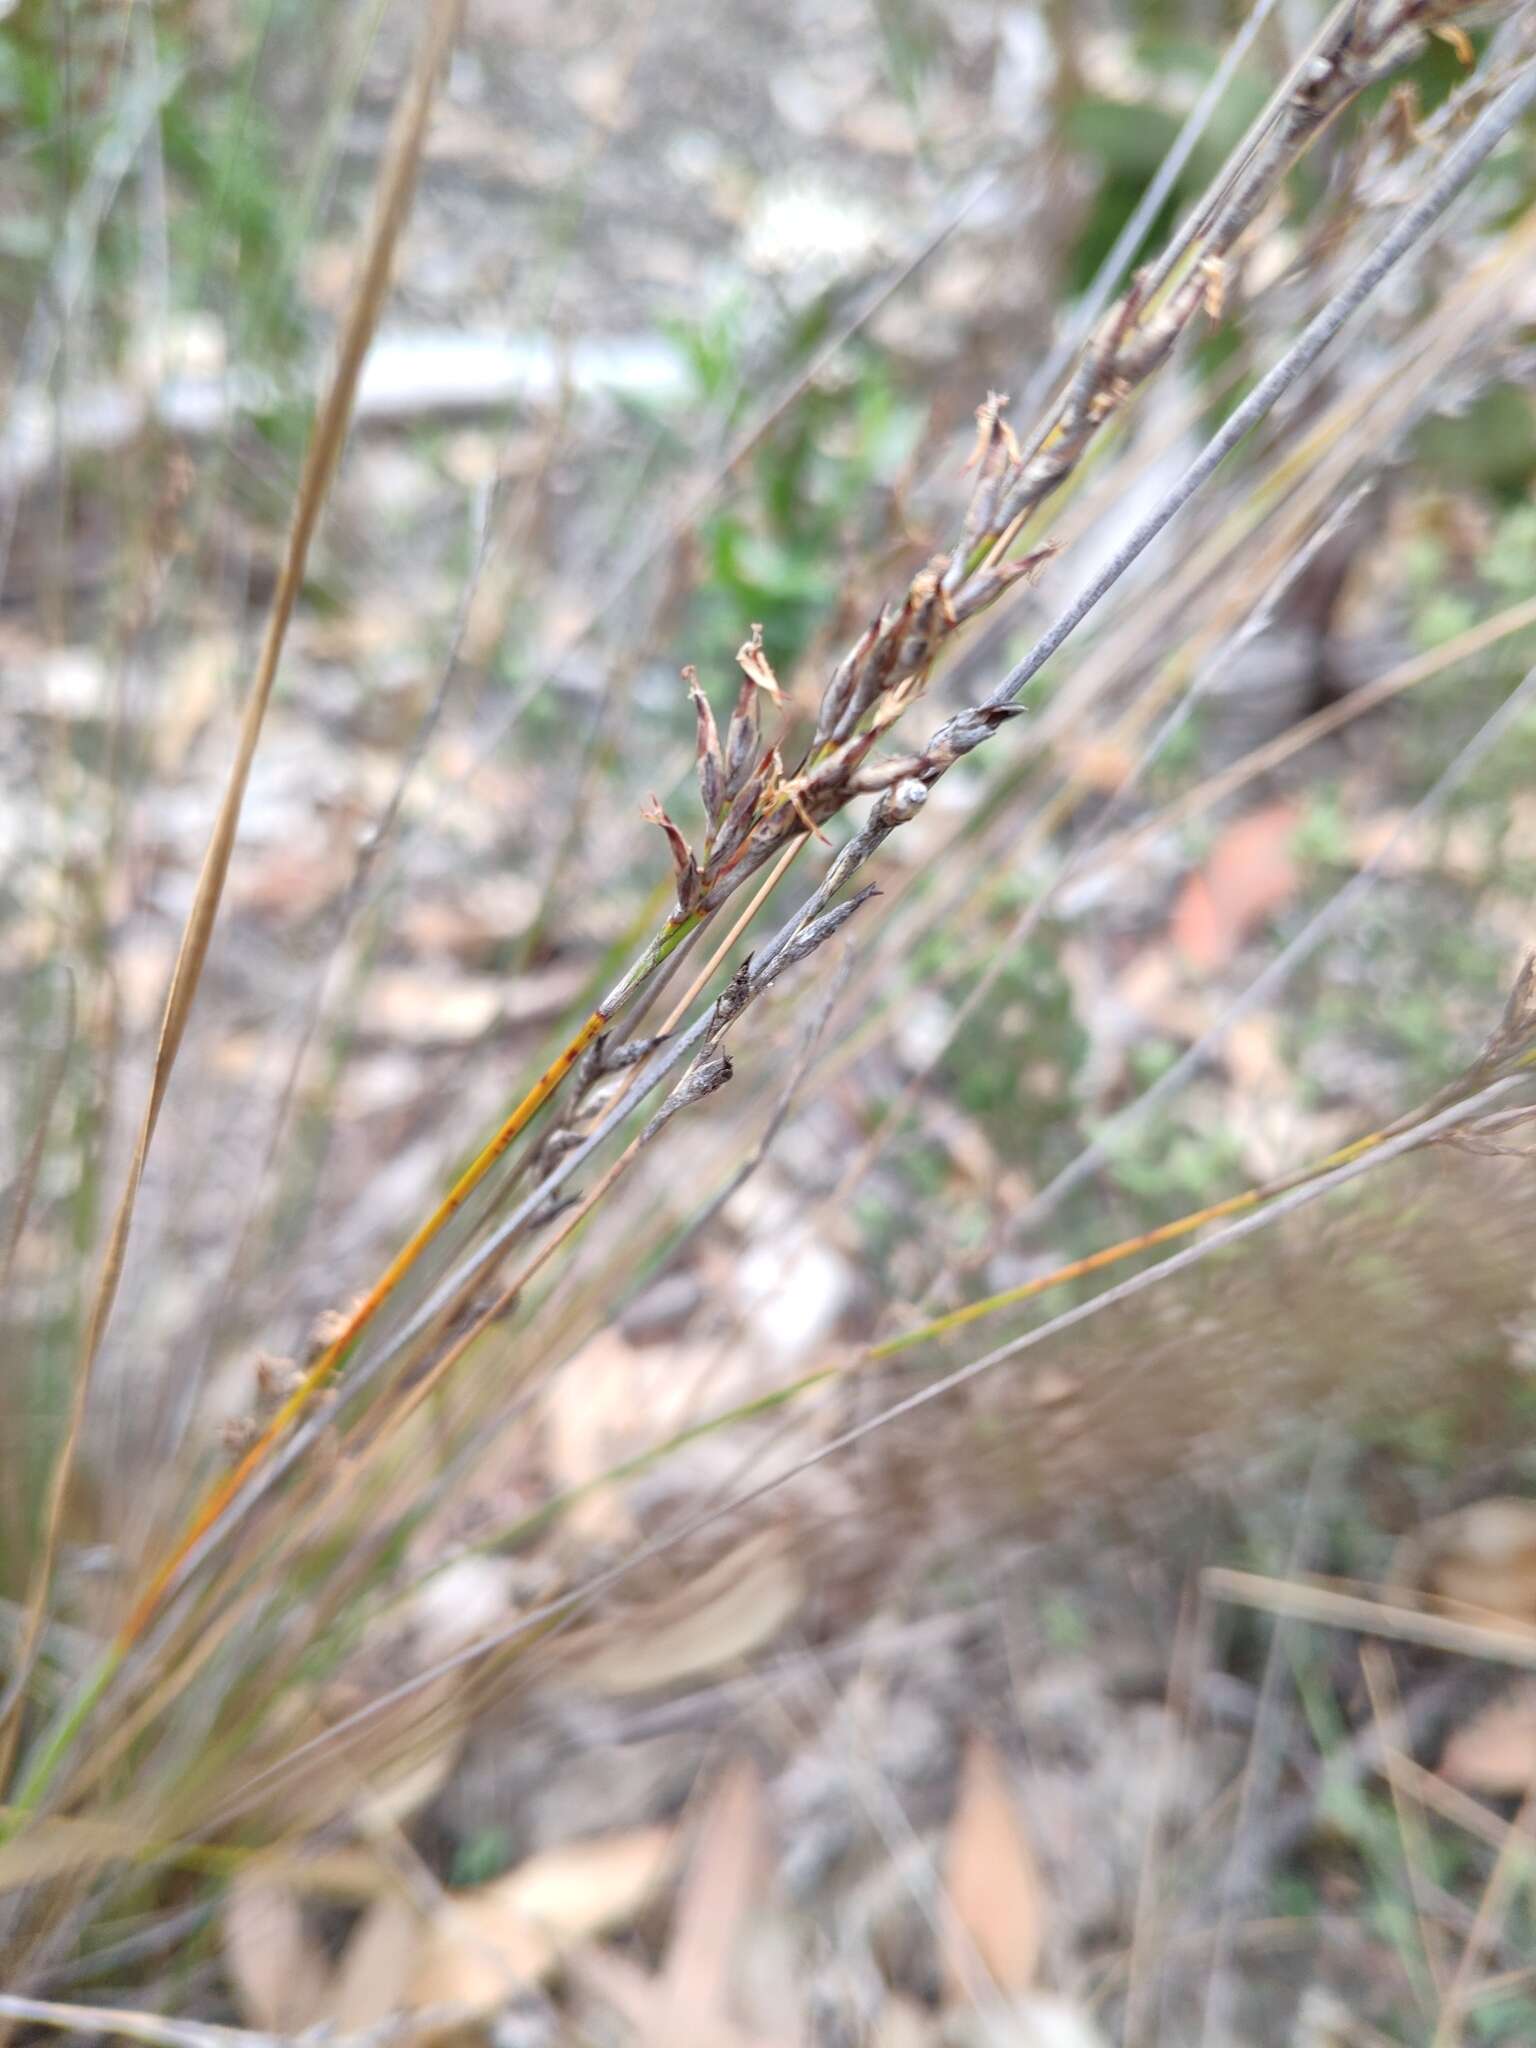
<point>396,185</point>
<point>251,1686</point>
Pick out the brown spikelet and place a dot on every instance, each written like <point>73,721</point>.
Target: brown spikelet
<point>1453,34</point>
<point>683,862</point>
<point>741,739</point>
<point>755,665</point>
<point>711,760</point>
<point>988,426</point>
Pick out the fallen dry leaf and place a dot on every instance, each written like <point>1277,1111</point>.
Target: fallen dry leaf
<point>376,1966</point>
<point>587,1888</point>
<point>994,1893</point>
<point>1249,874</point>
<point>476,1954</point>
<point>903,2024</point>
<point>726,1613</point>
<point>1252,1056</point>
<point>649,2009</point>
<point>1152,988</point>
<point>615,1399</point>
<point>278,1969</point>
<point>716,1892</point>
<point>1495,1751</point>
<point>768,1966</point>
<point>429,1007</point>
<point>1101,763</point>
<point>473,923</point>
<point>488,1943</point>
<point>690,2000</point>
<point>1483,1556</point>
<point>591,1411</point>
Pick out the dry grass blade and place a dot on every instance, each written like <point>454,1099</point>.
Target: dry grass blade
<point>1151,202</point>
<point>1316,1600</point>
<point>1513,1862</point>
<point>21,1192</point>
<point>25,1184</point>
<point>1455,1117</point>
<point>1432,1791</point>
<point>211,1520</point>
<point>396,185</point>
<point>91,2022</point>
<point>1387,1713</point>
<point>1296,494</point>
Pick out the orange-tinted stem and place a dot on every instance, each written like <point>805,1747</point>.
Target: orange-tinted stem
<point>359,1316</point>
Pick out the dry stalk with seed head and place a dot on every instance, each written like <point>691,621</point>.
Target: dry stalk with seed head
<point>969,729</point>
<point>745,791</point>
<point>754,808</point>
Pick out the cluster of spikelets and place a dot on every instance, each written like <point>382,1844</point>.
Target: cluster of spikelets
<point>756,809</point>
<point>752,805</point>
